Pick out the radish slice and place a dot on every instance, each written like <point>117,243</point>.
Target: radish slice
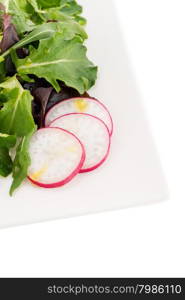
<point>80,105</point>
<point>92,132</point>
<point>56,157</point>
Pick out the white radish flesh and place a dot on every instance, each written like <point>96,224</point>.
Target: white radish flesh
<point>92,132</point>
<point>80,105</point>
<point>56,157</point>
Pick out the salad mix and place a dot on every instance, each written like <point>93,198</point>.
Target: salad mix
<point>42,61</point>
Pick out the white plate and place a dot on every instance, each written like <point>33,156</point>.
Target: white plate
<point>132,175</point>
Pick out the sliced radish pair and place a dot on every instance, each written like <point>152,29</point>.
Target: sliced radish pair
<point>93,134</point>
<point>80,105</point>
<point>57,156</point>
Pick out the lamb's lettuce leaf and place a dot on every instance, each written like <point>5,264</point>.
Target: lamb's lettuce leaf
<point>65,61</point>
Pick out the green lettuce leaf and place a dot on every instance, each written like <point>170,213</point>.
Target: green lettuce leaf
<point>26,14</point>
<point>65,61</point>
<point>16,113</point>
<point>40,32</point>
<point>15,119</point>
<point>21,162</point>
<point>6,143</point>
<point>43,4</point>
<point>6,164</point>
<point>69,29</point>
<point>59,10</point>
<point>71,8</point>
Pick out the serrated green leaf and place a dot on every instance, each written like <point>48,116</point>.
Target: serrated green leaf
<point>65,61</point>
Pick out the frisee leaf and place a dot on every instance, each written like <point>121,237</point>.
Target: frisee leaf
<point>65,61</point>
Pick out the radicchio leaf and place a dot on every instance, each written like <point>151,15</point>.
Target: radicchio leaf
<point>41,96</point>
<point>65,93</point>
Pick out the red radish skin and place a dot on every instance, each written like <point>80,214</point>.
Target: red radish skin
<point>71,176</point>
<point>89,98</point>
<point>85,170</point>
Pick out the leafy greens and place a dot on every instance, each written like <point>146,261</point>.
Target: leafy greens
<point>65,61</point>
<point>43,60</point>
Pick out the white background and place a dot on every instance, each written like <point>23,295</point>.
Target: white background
<point>144,241</point>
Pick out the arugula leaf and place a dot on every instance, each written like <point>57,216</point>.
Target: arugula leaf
<point>16,115</point>
<point>6,142</point>
<point>21,162</point>
<point>65,61</point>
